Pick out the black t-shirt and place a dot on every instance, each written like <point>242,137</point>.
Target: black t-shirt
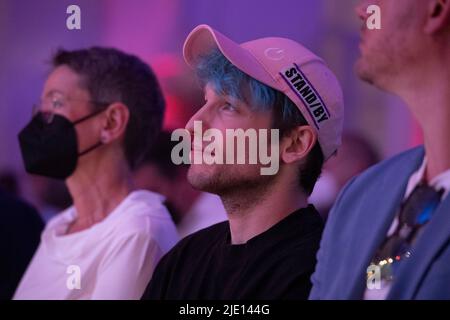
<point>276,264</point>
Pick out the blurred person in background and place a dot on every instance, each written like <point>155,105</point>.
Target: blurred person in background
<point>388,234</point>
<point>191,209</point>
<point>355,155</point>
<point>49,196</point>
<point>20,230</point>
<point>9,183</point>
<point>100,110</point>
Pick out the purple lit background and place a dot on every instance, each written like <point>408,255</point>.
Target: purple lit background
<point>155,29</point>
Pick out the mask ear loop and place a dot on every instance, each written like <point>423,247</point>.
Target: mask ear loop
<point>98,144</point>
<point>95,146</point>
<point>87,117</point>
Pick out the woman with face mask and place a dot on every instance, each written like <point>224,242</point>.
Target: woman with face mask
<point>100,111</point>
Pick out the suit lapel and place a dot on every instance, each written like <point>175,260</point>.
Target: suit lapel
<point>435,236</point>
<point>382,201</point>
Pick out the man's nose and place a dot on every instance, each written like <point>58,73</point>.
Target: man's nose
<point>201,115</point>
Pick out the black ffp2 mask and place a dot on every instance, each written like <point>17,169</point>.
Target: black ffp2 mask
<point>51,149</point>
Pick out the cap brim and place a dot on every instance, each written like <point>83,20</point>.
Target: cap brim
<point>203,39</point>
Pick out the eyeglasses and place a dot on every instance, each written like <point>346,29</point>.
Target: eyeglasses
<point>47,107</point>
<point>415,212</point>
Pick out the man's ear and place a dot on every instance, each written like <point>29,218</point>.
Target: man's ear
<point>116,121</point>
<point>438,17</point>
<point>297,144</point>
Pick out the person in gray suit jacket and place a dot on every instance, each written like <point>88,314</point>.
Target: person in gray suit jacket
<point>388,234</point>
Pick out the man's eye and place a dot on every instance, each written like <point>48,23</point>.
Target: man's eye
<point>228,107</point>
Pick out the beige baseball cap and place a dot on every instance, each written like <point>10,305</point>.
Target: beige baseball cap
<point>286,66</point>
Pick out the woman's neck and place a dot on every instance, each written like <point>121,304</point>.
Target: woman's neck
<point>96,193</point>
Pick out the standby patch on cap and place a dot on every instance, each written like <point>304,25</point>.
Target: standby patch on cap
<point>306,92</point>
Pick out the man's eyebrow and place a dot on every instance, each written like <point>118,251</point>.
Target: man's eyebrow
<point>233,99</point>
<point>223,95</point>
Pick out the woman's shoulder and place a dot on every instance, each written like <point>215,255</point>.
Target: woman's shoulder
<point>143,214</point>
<point>143,206</point>
<point>61,219</point>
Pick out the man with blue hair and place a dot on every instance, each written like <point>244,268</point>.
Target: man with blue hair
<point>267,248</point>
